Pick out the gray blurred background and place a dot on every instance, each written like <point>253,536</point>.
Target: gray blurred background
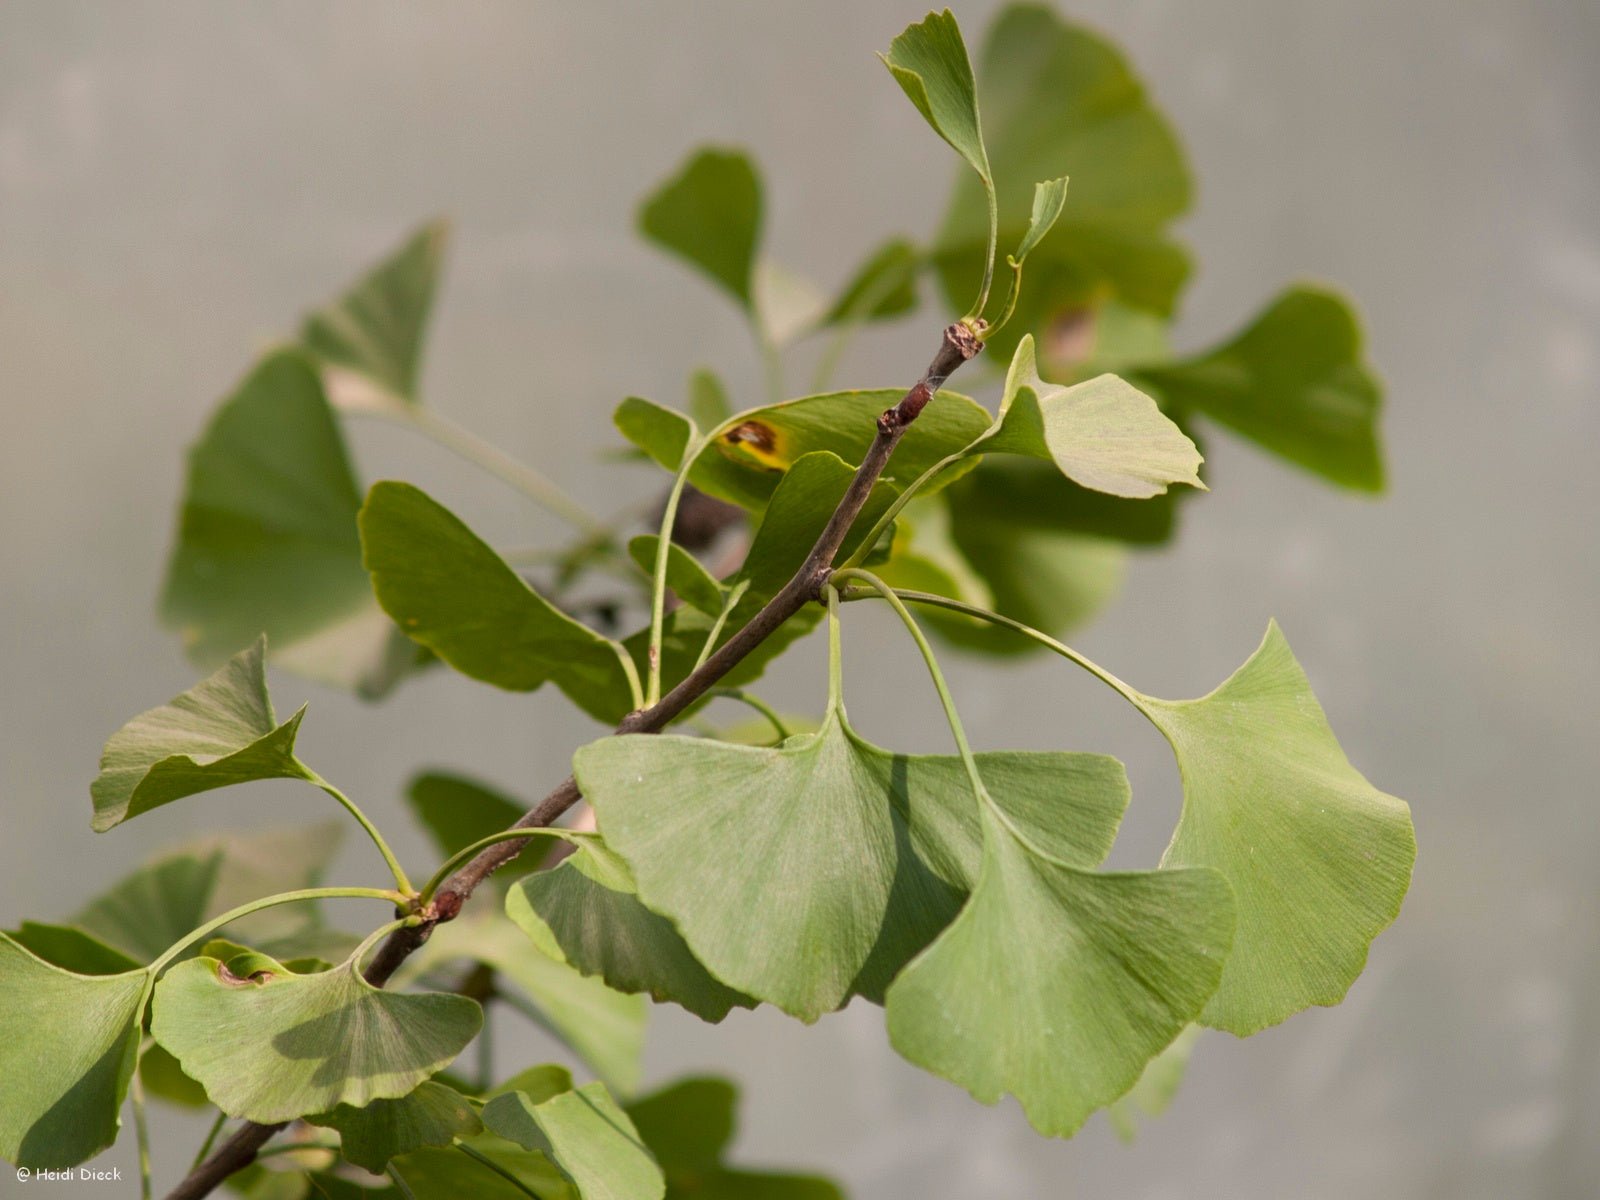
<point>179,181</point>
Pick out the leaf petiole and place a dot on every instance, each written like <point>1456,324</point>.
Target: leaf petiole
<point>468,853</point>
<point>244,910</point>
<point>350,806</point>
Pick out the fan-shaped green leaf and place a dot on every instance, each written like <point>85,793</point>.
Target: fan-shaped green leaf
<point>1318,858</point>
<point>449,591</point>
<point>279,1045</point>
<point>587,912</point>
<point>929,62</point>
<point>752,873</point>
<point>1058,984</point>
<point>885,285</point>
<point>604,1027</point>
<point>687,578</point>
<point>449,1174</point>
<point>1103,434</point>
<point>222,731</point>
<point>587,1135</point>
<point>432,1115</point>
<point>267,539</point>
<point>375,329</point>
<point>709,214</point>
<point>68,1046</point>
<point>688,1126</point>
<point>1294,381</point>
<point>72,949</point>
<point>151,908</point>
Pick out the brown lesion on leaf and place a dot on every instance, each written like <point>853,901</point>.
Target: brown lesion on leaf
<point>754,442</point>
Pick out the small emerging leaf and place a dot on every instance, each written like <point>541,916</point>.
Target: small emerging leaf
<point>375,329</point>
<point>929,61</point>
<point>222,731</point>
<point>68,1045</point>
<point>1058,984</point>
<point>587,1135</point>
<point>433,1115</point>
<point>1048,201</point>
<point>709,214</point>
<point>280,1045</point>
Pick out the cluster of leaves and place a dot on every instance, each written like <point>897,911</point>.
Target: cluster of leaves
<point>963,893</point>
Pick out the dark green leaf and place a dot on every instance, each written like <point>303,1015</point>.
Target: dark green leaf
<point>376,328</point>
<point>1058,984</point>
<point>449,591</point>
<point>660,432</point>
<point>147,911</point>
<point>68,1045</point>
<point>433,1115</point>
<point>709,214</point>
<point>587,912</point>
<point>441,1174</point>
<point>1296,382</point>
<point>687,579</point>
<point>587,1135</point>
<point>164,1079</point>
<point>458,811</point>
<point>280,1045</point>
<point>267,540</point>
<point>72,949</point>
<point>222,731</point>
<point>883,286</point>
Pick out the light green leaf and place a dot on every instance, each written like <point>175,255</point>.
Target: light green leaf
<point>1048,200</point>
<point>709,405</point>
<point>660,432</point>
<point>605,1028</point>
<point>281,1045</point>
<point>68,1045</point>
<point>449,591</point>
<point>587,1135</point>
<point>1318,858</point>
<point>709,214</point>
<point>1032,494</point>
<point>688,1126</point>
<point>586,912</point>
<point>458,811</point>
<point>1104,434</point>
<point>433,1115</point>
<point>1156,1087</point>
<point>929,62</point>
<point>448,1174</point>
<point>220,732</point>
<point>267,539</point>
<point>1058,100</point>
<point>375,329</point>
<point>150,909</point>
<point>790,919</point>
<point>267,861</point>
<point>687,578</point>
<point>1058,984</point>
<point>1296,382</point>
<point>885,285</point>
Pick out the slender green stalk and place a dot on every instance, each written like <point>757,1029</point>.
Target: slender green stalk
<point>631,672</point>
<point>735,595</point>
<point>757,703</point>
<point>881,526</point>
<point>497,462</point>
<point>354,810</point>
<point>468,853</point>
<point>400,1183</point>
<point>988,263</point>
<point>658,585</point>
<point>479,1156</point>
<point>1011,298</point>
<point>211,1139</point>
<point>141,1131</point>
<point>1044,639</point>
<point>244,910</point>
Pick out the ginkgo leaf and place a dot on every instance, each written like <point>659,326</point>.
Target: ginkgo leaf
<point>434,1173</point>
<point>885,285</point>
<point>929,61</point>
<point>1104,434</point>
<point>709,405</point>
<point>68,1046</point>
<point>458,811</point>
<point>267,539</point>
<point>686,577</point>
<point>375,329</point>
<point>586,912</point>
<point>1318,858</point>
<point>1295,381</point>
<point>1049,198</point>
<point>149,909</point>
<point>449,591</point>
<point>1058,984</point>
<point>222,731</point>
<point>72,949</point>
<point>688,1126</point>
<point>751,873</point>
<point>1156,1087</point>
<point>662,433</point>
<point>278,1045</point>
<point>709,214</point>
<point>604,1027</point>
<point>587,1135</point>
<point>432,1115</point>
